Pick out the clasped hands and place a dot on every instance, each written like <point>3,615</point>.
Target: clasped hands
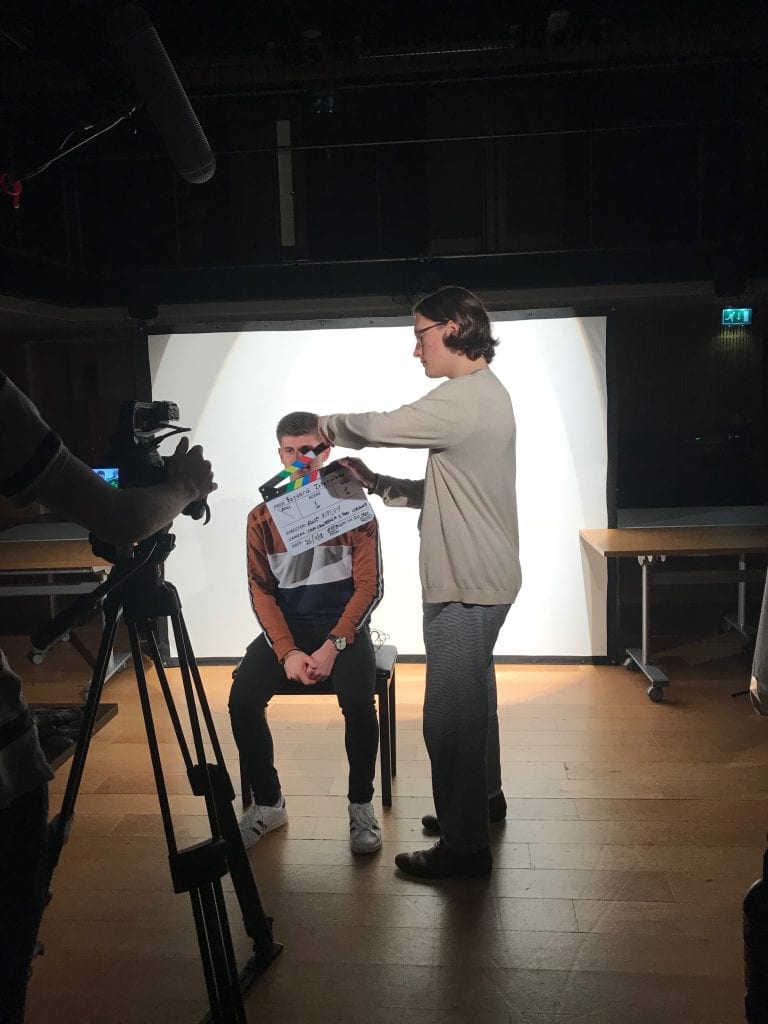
<point>309,669</point>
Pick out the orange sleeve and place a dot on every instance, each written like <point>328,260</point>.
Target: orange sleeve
<point>367,579</point>
<point>261,584</point>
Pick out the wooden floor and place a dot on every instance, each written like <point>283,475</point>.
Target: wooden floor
<point>633,832</point>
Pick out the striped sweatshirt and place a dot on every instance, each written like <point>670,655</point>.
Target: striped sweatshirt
<point>29,452</point>
<point>336,585</point>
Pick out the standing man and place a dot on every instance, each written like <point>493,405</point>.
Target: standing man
<point>314,608</point>
<point>469,563</point>
<point>36,466</point>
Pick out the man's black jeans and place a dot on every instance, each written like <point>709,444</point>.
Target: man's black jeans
<point>353,679</point>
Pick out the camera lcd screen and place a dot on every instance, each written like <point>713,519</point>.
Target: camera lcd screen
<point>109,474</point>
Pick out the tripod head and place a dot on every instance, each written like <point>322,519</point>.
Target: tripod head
<point>136,580</point>
<point>156,548</point>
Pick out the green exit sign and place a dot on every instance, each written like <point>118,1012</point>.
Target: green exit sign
<point>732,317</point>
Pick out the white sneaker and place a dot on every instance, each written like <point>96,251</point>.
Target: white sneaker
<point>364,830</point>
<point>260,819</point>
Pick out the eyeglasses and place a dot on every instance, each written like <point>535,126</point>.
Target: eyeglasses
<point>420,334</point>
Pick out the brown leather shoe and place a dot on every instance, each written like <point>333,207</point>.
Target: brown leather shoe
<point>442,862</point>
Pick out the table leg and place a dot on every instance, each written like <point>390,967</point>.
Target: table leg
<point>644,568</point>
<point>739,621</point>
<point>640,658</point>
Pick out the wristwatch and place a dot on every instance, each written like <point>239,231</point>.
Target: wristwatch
<point>339,642</point>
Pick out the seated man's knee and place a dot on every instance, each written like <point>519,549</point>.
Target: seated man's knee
<point>246,693</point>
<point>357,708</point>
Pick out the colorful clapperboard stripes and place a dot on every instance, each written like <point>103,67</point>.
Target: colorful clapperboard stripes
<point>301,462</point>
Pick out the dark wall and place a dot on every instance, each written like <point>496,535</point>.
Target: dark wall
<point>77,381</point>
<point>692,407</point>
<point>596,175</point>
<point>78,384</point>
<point>690,400</point>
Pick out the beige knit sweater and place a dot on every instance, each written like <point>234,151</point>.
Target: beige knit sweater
<point>469,539</point>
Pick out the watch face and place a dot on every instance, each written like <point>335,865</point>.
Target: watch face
<point>339,642</point>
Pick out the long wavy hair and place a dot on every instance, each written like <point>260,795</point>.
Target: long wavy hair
<point>473,337</point>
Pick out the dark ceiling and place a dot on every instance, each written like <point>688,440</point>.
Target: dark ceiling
<point>412,75</point>
<point>55,47</point>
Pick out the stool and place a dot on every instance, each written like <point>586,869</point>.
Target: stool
<point>386,661</point>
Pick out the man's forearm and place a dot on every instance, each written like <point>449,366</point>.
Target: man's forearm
<point>148,509</point>
<point>119,517</point>
<point>433,421</point>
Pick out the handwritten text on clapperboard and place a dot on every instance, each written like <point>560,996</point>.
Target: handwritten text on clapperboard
<point>330,505</point>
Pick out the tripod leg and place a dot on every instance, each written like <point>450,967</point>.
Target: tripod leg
<point>257,925</point>
<point>224,995</point>
<point>223,820</point>
<point>219,915</point>
<point>198,871</point>
<point>149,726</point>
<point>202,940</point>
<point>61,825</point>
<point>150,642</point>
<point>199,689</point>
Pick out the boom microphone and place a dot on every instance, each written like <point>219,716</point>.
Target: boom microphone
<point>143,55</point>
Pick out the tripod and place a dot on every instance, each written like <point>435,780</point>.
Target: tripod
<point>136,591</point>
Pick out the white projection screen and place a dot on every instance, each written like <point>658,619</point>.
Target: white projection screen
<point>233,387</point>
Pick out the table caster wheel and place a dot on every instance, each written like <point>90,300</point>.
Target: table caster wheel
<point>36,658</point>
<point>630,665</point>
<point>655,693</point>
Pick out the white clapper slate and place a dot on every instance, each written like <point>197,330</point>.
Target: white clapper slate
<point>318,511</point>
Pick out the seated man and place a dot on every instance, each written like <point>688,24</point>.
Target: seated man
<point>314,609</point>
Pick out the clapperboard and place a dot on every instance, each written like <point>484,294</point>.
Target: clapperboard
<point>315,506</point>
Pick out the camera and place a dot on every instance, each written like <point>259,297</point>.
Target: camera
<point>133,447</point>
